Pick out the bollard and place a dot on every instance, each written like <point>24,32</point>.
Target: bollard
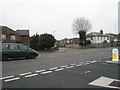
<point>115,54</point>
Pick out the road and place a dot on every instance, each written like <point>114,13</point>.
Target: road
<point>48,60</point>
<point>72,76</point>
<point>57,66</point>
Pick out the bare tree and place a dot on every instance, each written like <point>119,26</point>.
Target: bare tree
<point>81,26</point>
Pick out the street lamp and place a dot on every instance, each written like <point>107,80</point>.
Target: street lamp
<point>54,33</point>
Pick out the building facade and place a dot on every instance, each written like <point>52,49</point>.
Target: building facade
<point>7,35</point>
<point>69,41</point>
<point>96,37</point>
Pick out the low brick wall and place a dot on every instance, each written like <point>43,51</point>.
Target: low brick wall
<point>72,46</point>
<point>102,45</point>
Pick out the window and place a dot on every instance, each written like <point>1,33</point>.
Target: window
<point>107,38</point>
<point>3,37</point>
<point>13,47</point>
<point>91,38</point>
<point>4,47</point>
<point>13,37</point>
<point>22,47</point>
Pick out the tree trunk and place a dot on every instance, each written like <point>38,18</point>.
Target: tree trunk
<point>82,37</point>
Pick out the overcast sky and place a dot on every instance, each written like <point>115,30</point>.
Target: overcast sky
<point>46,16</point>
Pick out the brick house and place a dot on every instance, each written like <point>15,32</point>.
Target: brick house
<point>69,41</point>
<point>24,36</point>
<point>7,35</point>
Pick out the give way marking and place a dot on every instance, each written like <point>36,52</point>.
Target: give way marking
<point>104,82</point>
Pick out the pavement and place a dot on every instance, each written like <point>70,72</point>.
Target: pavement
<point>113,62</point>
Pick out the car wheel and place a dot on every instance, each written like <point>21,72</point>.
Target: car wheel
<point>27,57</point>
<point>5,58</point>
<point>32,56</point>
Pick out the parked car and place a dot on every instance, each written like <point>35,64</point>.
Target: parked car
<point>16,50</point>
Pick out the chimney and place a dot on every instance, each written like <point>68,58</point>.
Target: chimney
<point>101,31</point>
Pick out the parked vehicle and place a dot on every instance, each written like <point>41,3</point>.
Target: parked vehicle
<point>16,50</point>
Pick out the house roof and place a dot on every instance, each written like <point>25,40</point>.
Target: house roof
<point>113,35</point>
<point>97,34</point>
<point>23,32</point>
<point>5,28</point>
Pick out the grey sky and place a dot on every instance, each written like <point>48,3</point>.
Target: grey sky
<point>46,16</point>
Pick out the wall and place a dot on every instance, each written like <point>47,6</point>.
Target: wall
<point>8,32</point>
<point>96,40</point>
<point>25,39</point>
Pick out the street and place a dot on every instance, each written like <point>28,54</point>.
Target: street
<point>70,68</point>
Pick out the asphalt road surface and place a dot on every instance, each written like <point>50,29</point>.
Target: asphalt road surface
<point>70,68</point>
<point>72,76</point>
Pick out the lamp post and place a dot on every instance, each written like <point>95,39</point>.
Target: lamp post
<point>54,34</point>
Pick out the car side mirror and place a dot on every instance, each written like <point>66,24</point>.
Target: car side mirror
<point>26,48</point>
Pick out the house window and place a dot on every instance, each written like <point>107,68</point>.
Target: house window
<point>91,38</point>
<point>3,37</point>
<point>13,37</point>
<point>107,38</point>
<point>68,41</point>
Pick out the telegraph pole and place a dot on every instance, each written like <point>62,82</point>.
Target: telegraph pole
<point>54,34</point>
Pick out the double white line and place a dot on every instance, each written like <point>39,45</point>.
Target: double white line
<point>9,78</point>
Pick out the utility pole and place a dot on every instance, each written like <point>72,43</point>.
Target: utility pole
<point>54,34</point>
<point>115,28</point>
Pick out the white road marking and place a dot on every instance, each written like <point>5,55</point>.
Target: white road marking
<point>104,82</point>
<point>82,62</point>
<point>87,72</point>
<point>8,80</point>
<point>70,67</point>
<point>78,65</point>
<point>64,66</point>
<point>40,71</point>
<point>93,61</point>
<point>6,77</point>
<point>31,75</point>
<point>72,64</point>
<point>46,72</point>
<point>25,73</point>
<point>116,80</point>
<point>53,68</point>
<point>86,63</point>
<point>59,69</point>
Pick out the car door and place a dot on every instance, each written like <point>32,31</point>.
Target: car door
<point>14,52</point>
<point>23,50</point>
